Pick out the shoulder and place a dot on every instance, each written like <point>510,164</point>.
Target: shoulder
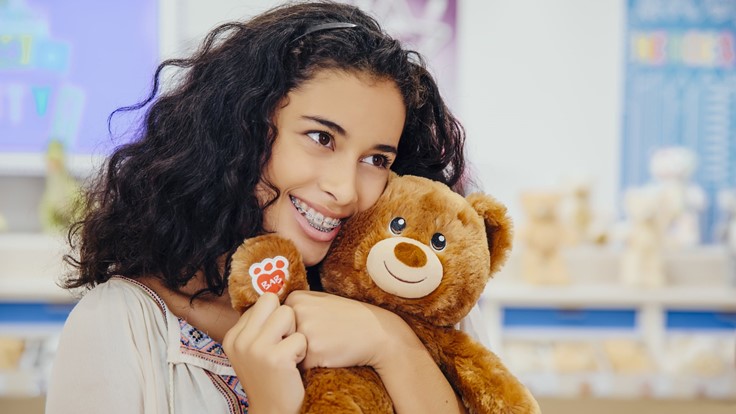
<point>120,293</point>
<point>117,327</point>
<point>120,304</point>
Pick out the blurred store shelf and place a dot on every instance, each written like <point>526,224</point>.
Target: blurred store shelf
<point>34,164</point>
<point>612,295</point>
<point>35,405</point>
<point>30,267</point>
<point>634,406</point>
<point>596,337</point>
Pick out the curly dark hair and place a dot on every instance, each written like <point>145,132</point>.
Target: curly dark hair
<point>181,194</point>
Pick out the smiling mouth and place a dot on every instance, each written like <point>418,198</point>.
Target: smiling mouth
<point>315,219</point>
<point>400,279</point>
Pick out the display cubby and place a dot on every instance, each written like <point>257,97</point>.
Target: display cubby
<point>597,337</point>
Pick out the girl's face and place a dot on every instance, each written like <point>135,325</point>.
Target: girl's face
<point>337,137</point>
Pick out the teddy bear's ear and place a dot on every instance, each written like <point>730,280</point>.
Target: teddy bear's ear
<point>498,227</point>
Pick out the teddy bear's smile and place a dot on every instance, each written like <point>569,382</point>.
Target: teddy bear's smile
<point>400,279</point>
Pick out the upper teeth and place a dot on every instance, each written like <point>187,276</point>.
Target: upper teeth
<point>315,219</point>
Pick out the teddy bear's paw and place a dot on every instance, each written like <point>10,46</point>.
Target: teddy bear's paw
<point>529,404</point>
<point>512,400</point>
<point>263,264</point>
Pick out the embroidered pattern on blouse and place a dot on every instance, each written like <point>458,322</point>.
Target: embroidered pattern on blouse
<point>230,388</point>
<point>197,343</point>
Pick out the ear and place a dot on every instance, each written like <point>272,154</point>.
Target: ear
<point>498,227</point>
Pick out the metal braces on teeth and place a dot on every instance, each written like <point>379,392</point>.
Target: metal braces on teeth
<point>311,217</point>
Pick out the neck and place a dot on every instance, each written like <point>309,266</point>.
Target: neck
<point>210,314</point>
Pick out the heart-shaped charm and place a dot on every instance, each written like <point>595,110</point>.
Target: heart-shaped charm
<point>269,275</point>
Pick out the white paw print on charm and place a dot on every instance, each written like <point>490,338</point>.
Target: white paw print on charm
<point>270,275</point>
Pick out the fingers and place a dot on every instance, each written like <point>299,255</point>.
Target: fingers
<point>295,344</point>
<point>264,325</point>
<point>250,322</point>
<point>259,312</point>
<point>280,324</point>
<point>264,340</point>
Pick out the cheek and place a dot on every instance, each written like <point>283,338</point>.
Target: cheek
<point>370,189</point>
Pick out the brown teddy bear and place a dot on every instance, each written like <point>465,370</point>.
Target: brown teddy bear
<point>425,253</point>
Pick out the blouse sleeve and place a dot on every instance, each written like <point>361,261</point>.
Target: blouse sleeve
<point>473,324</point>
<point>111,356</point>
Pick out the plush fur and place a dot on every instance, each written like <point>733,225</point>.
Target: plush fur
<point>461,241</point>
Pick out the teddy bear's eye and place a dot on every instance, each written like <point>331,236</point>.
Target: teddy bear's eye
<point>397,225</point>
<point>438,241</point>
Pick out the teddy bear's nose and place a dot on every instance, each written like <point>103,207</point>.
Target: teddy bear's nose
<point>410,254</point>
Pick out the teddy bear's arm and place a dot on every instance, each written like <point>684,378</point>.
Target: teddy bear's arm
<point>267,263</point>
<point>479,377</point>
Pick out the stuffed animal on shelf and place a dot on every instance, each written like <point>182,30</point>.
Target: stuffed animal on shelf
<point>11,352</point>
<point>574,357</point>
<point>642,262</point>
<point>698,354</point>
<point>578,210</point>
<point>681,200</point>
<point>628,356</point>
<point>543,238</point>
<point>59,206</point>
<point>726,225</point>
<point>423,252</point>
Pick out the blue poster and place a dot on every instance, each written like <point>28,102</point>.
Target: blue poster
<point>66,65</point>
<point>680,90</point>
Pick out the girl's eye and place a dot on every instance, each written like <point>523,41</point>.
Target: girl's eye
<point>322,138</point>
<point>377,160</point>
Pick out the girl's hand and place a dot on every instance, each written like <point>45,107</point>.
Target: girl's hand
<point>264,349</point>
<point>343,332</point>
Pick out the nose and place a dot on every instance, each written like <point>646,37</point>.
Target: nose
<point>339,180</point>
<point>410,254</point>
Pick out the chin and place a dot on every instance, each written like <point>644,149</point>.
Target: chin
<point>311,255</point>
<point>312,259</point>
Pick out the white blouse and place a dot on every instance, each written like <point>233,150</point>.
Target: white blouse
<point>123,351</point>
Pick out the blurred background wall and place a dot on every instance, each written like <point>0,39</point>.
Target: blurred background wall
<point>538,86</point>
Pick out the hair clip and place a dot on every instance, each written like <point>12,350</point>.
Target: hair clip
<point>325,26</point>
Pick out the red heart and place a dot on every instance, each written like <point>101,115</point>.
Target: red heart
<point>272,281</point>
<point>269,275</point>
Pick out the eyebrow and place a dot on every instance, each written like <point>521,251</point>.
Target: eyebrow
<point>327,123</point>
<point>334,126</point>
<point>386,148</point>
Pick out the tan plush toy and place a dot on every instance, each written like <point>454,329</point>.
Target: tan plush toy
<point>423,252</point>
<point>642,259</point>
<point>543,238</point>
